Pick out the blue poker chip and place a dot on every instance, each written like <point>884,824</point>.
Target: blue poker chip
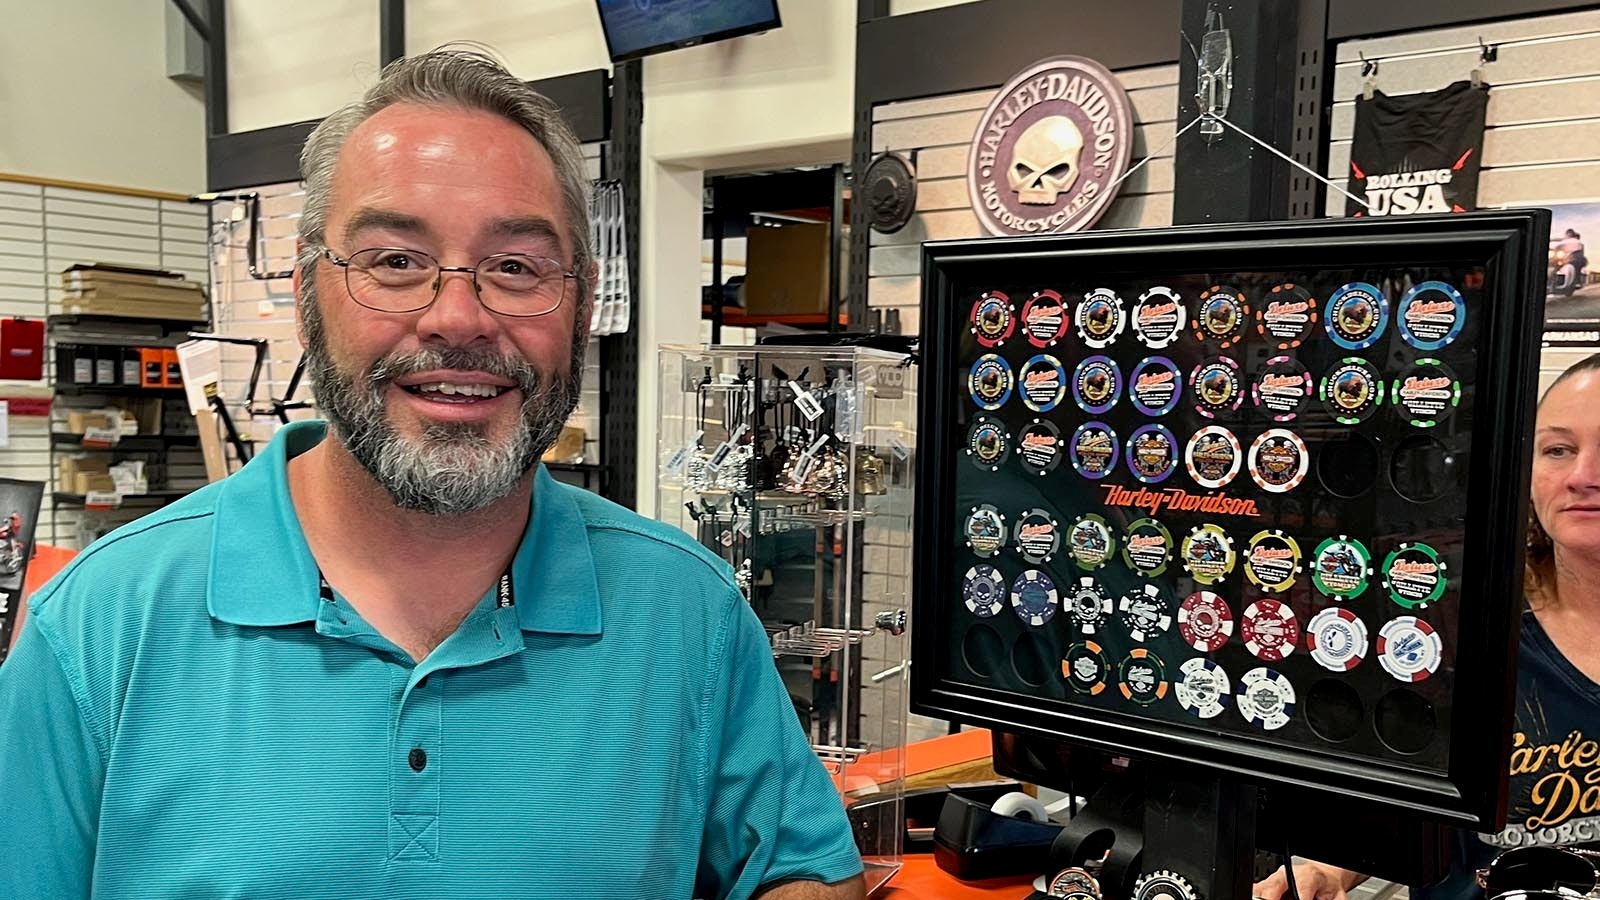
<point>1152,453</point>
<point>1094,450</point>
<point>1096,384</point>
<point>1266,698</point>
<point>1034,597</point>
<point>1356,315</point>
<point>990,381</point>
<point>984,590</point>
<point>1155,385</point>
<point>1043,382</point>
<point>1204,688</point>
<point>1431,315</point>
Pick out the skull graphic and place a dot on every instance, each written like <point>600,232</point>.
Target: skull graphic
<point>1044,161</point>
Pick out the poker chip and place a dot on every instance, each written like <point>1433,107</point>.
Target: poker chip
<point>1164,884</point>
<point>1100,317</point>
<point>1096,384</point>
<point>1158,317</point>
<point>989,382</point>
<point>1341,567</point>
<point>1213,457</point>
<point>1337,639</point>
<point>985,530</point>
<point>1038,536</point>
<point>1044,319</point>
<point>1094,450</point>
<point>1272,561</point>
<point>1145,612</point>
<point>1286,317</point>
<point>1155,385</point>
<point>1073,881</point>
<point>1215,386</point>
<point>1040,447</point>
<point>984,589</point>
<point>1409,649</point>
<point>1269,629</point>
<point>1415,576</point>
<point>1352,390</point>
<point>987,443</point>
<point>1265,698</point>
<point>1208,555</point>
<point>991,320</point>
<point>1426,393</point>
<point>1034,597</point>
<point>1431,315</point>
<point>1142,677</point>
<point>1152,453</point>
<point>1282,388</point>
<point>1279,460</point>
<point>1356,315</point>
<point>1205,621</point>
<point>1091,605</point>
<point>1147,547</point>
<point>1090,542</point>
<point>1204,690</point>
<point>1043,382</point>
<point>1220,316</point>
<point>1086,668</point>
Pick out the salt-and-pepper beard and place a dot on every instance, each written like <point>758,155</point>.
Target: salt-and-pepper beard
<point>452,469</point>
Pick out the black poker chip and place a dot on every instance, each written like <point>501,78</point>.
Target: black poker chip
<point>1038,536</point>
<point>1090,605</point>
<point>1352,390</point>
<point>1101,317</point>
<point>992,320</point>
<point>1220,316</point>
<point>1040,447</point>
<point>1096,384</point>
<point>1356,315</point>
<point>1431,315</point>
<point>1146,612</point>
<point>1086,668</point>
<point>1152,453</point>
<point>1155,385</point>
<point>987,443</point>
<point>1044,319</point>
<point>1094,450</point>
<point>984,590</point>
<point>1287,315</point>
<point>1142,677</point>
<point>1147,547</point>
<point>1426,393</point>
<point>1043,383</point>
<point>1216,387</point>
<point>1282,388</point>
<point>1158,317</point>
<point>985,530</point>
<point>1164,884</point>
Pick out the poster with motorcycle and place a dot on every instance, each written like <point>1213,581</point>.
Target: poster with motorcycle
<point>1572,302</point>
<point>19,515</point>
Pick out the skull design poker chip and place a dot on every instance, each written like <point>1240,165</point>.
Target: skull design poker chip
<point>1043,382</point>
<point>985,530</point>
<point>1091,542</point>
<point>1215,386</point>
<point>987,443</point>
<point>1213,457</point>
<point>1266,698</point>
<point>1431,315</point>
<point>1142,677</point>
<point>984,590</point>
<point>990,381</point>
<point>1091,605</point>
<point>1409,649</point>
<point>1205,621</point>
<point>1269,629</point>
<point>1034,597</point>
<point>1352,390</point>
<point>1044,319</point>
<point>1426,393</point>
<point>1204,689</point>
<point>1415,575</point>
<point>992,321</point>
<point>1038,536</point>
<point>1208,554</point>
<point>1337,639</point>
<point>1220,316</point>
<point>1356,315</point>
<point>1279,461</point>
<point>1282,388</point>
<point>1086,668</point>
<point>1152,454</point>
<point>1100,317</point>
<point>1145,612</point>
<point>1155,385</point>
<point>1096,384</point>
<point>1158,317</point>
<point>1147,547</point>
<point>1286,317</point>
<point>1094,450</point>
<point>1341,567</point>
<point>1040,447</point>
<point>1272,561</point>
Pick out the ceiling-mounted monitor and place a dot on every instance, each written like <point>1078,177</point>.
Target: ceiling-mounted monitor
<point>636,28</point>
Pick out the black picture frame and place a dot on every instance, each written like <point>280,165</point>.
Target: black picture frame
<point>754,27</point>
<point>1470,790</point>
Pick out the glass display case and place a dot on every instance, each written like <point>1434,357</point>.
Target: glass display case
<point>794,465</point>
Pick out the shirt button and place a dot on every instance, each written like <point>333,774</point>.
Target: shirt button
<point>418,759</point>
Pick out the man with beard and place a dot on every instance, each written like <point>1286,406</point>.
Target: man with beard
<point>391,657</point>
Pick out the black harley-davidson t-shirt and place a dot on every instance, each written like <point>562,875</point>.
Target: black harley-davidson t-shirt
<point>1555,766</point>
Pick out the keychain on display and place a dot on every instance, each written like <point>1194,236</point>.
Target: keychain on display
<point>800,470</point>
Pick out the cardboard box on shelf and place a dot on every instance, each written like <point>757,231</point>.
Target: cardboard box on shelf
<point>786,270</point>
<point>81,420</point>
<point>95,481</point>
<point>568,447</point>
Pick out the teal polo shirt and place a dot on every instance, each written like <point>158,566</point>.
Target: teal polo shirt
<point>185,716</point>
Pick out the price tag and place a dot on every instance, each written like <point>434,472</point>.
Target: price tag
<point>102,500</point>
<point>681,458</point>
<point>809,407</point>
<point>101,437</point>
<point>723,449</point>
<point>898,446</point>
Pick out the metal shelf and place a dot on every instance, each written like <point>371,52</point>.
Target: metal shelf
<point>92,320</point>
<point>133,443</point>
<point>119,390</point>
<point>65,499</point>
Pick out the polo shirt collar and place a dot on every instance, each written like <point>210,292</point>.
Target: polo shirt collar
<point>262,572</point>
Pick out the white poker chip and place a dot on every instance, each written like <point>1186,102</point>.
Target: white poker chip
<point>1145,613</point>
<point>1279,460</point>
<point>1100,318</point>
<point>1269,629</point>
<point>1266,698</point>
<point>1337,639</point>
<point>1163,884</point>
<point>1204,690</point>
<point>1213,457</point>
<point>1034,597</point>
<point>1091,606</point>
<point>1409,648</point>
<point>1159,317</point>
<point>984,589</point>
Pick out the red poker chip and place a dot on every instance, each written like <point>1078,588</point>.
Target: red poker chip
<point>1269,629</point>
<point>1205,621</point>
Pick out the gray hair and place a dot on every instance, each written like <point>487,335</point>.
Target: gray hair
<point>468,79</point>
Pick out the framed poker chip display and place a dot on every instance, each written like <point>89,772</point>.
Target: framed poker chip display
<point>1220,475</point>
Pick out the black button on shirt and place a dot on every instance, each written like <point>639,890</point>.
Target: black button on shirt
<point>418,759</point>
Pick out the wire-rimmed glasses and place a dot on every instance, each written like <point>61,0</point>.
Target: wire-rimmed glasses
<point>398,280</point>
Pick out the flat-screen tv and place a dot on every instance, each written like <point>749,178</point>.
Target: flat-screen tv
<point>636,28</point>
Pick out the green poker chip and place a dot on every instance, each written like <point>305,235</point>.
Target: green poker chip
<point>1147,547</point>
<point>1341,567</point>
<point>1091,542</point>
<point>1415,575</point>
<point>1426,393</point>
<point>1208,554</point>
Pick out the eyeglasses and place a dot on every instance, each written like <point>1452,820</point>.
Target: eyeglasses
<point>1540,873</point>
<point>396,280</point>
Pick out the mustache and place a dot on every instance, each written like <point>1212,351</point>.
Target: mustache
<point>467,359</point>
